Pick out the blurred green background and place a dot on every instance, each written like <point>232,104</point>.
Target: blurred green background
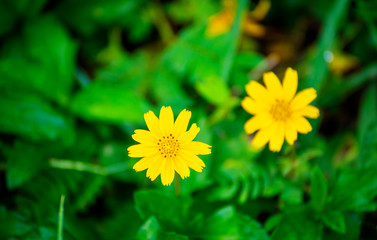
<point>76,78</point>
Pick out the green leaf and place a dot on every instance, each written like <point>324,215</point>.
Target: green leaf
<point>353,189</point>
<point>24,161</point>
<point>46,54</point>
<point>170,211</point>
<point>48,42</point>
<point>368,111</point>
<point>12,224</point>
<point>213,89</point>
<point>318,194</point>
<point>335,220</point>
<point>201,56</point>
<point>31,117</point>
<point>151,230</point>
<point>109,103</point>
<point>226,223</point>
<point>298,225</point>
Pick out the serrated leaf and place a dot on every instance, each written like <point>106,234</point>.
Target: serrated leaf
<point>318,194</point>
<point>335,220</point>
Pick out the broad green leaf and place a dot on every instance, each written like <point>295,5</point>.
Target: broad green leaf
<point>46,54</point>
<point>318,194</point>
<point>226,223</point>
<point>213,90</point>
<point>334,220</point>
<point>109,103</point>
<point>49,43</point>
<point>31,117</point>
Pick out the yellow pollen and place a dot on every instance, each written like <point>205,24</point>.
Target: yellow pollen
<point>281,110</point>
<point>168,146</point>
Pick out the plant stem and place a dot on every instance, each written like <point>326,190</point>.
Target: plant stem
<point>61,218</point>
<point>177,185</point>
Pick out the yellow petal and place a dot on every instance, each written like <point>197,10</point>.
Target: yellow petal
<point>166,120</point>
<point>253,107</point>
<point>144,137</point>
<point>167,173</point>
<point>277,138</point>
<point>290,83</point>
<point>191,160</point>
<point>181,167</point>
<point>146,162</point>
<point>197,148</point>
<point>273,85</point>
<point>303,98</point>
<point>156,168</point>
<point>263,136</point>
<point>257,122</point>
<point>301,124</point>
<point>141,150</point>
<point>308,111</point>
<point>258,92</point>
<point>290,132</point>
<point>181,123</point>
<point>189,135</point>
<point>153,124</point>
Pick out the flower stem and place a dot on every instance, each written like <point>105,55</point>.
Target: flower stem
<point>177,185</point>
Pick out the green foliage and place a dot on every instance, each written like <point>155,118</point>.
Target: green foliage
<point>76,78</point>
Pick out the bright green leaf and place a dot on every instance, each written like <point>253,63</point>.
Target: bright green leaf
<point>109,103</point>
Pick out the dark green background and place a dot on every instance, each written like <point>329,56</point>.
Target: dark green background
<point>76,78</point>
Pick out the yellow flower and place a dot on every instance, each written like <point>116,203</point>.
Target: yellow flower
<point>278,112</point>
<point>222,22</point>
<point>167,146</point>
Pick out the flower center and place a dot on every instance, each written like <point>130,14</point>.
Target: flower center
<point>168,146</point>
<point>281,110</point>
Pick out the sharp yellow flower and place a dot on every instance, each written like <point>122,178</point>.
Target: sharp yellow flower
<point>167,146</point>
<point>278,112</point>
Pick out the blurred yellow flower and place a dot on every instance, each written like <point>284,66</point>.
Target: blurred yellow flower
<point>167,146</point>
<point>222,22</point>
<point>278,112</point>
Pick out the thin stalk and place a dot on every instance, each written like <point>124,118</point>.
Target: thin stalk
<point>61,218</point>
